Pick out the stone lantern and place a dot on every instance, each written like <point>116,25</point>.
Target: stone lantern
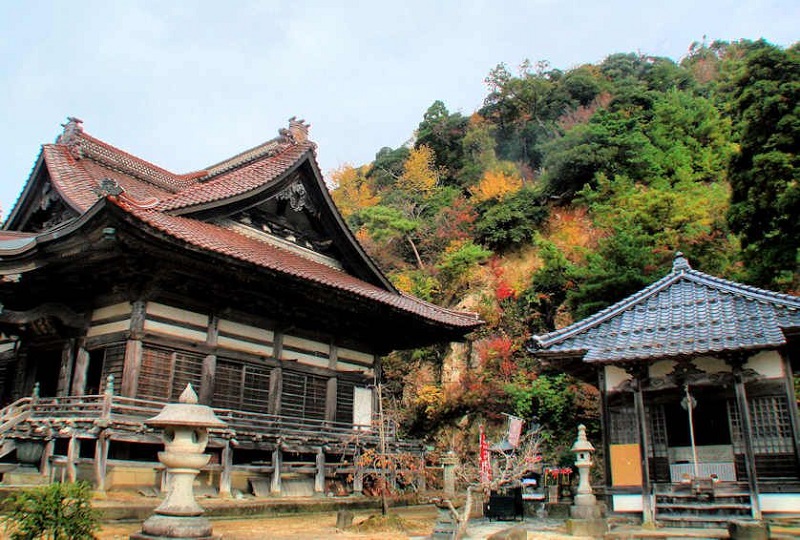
<point>185,436</point>
<point>586,514</point>
<point>583,451</point>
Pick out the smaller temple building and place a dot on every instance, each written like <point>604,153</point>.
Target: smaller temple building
<point>697,381</point>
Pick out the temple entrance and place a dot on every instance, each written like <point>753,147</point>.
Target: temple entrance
<point>711,446</point>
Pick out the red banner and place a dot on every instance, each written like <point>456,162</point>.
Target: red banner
<point>485,465</point>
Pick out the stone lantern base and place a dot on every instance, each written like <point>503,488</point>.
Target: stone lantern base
<point>161,527</point>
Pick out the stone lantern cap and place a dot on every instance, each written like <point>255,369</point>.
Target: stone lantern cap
<point>187,412</point>
<point>582,444</point>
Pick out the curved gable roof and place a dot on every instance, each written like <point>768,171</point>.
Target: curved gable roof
<point>92,177</point>
<point>685,313</point>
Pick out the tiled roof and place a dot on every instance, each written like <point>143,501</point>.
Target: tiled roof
<point>210,237</point>
<point>686,313</point>
<point>78,165</point>
<point>232,182</point>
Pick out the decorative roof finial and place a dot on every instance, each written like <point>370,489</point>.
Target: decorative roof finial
<point>70,137</point>
<point>679,263</point>
<point>298,129</point>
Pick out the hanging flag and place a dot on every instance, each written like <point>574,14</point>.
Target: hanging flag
<point>514,430</point>
<point>483,456</point>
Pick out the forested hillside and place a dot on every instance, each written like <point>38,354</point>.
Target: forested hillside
<point>565,192</point>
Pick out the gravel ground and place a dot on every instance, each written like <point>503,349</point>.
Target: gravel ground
<point>323,525</point>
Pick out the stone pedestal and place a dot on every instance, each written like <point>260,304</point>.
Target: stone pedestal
<point>596,528</point>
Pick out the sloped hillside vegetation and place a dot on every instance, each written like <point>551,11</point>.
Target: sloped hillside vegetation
<point>565,192</point>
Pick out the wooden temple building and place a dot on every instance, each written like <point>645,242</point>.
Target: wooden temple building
<point>699,413</point>
<point>122,282</point>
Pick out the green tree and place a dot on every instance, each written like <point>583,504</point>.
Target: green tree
<point>765,174</point>
<point>386,224</point>
<point>443,133</point>
<point>623,264</point>
<point>513,221</point>
<point>549,285</point>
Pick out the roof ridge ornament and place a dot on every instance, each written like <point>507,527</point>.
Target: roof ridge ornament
<point>108,187</point>
<point>70,137</point>
<point>297,132</point>
<point>680,263</point>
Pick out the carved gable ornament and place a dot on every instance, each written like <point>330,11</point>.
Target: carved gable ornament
<point>297,196</point>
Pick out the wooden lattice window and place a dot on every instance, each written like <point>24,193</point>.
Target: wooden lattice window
<point>344,401</point>
<point>770,422</point>
<point>657,434</point>
<point>771,436</point>
<point>241,386</point>
<point>303,395</point>
<point>113,362</point>
<point>164,374</point>
<point>623,427</point>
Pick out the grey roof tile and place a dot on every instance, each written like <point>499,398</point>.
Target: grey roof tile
<point>684,313</point>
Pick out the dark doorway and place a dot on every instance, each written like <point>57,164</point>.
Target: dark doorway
<point>710,418</point>
<point>47,368</point>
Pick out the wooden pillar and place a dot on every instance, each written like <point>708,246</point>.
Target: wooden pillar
<point>792,397</point>
<point>100,461</point>
<point>45,467</point>
<point>648,512</point>
<point>605,425</point>
<point>277,464</point>
<point>73,453</point>
<point>65,371</point>
<point>23,382</point>
<point>275,389</point>
<point>747,436</point>
<point>81,369</point>
<point>319,477</point>
<point>209,368</point>
<point>358,481</point>
<point>209,371</point>
<point>131,368</point>
<point>133,350</point>
<point>331,398</point>
<point>227,470</point>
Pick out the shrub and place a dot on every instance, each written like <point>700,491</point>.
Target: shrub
<point>57,512</point>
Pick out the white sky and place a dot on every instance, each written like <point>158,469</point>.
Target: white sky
<point>185,84</point>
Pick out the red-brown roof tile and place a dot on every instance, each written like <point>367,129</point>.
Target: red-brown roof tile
<point>226,242</point>
<point>240,180</point>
